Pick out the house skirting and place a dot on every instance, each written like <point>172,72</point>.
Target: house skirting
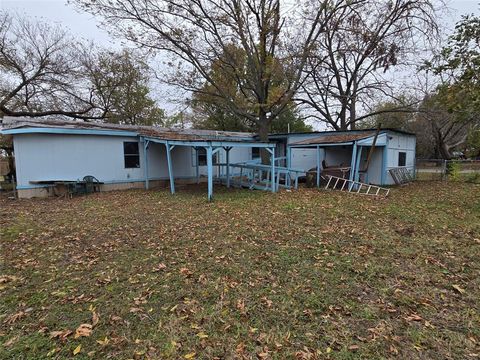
<point>43,192</point>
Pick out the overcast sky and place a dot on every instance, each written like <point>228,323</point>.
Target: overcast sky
<point>86,26</point>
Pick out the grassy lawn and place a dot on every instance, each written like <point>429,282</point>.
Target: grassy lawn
<point>296,275</point>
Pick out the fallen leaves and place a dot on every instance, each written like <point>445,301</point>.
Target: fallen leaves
<point>340,277</point>
<point>186,272</point>
<point>413,317</point>
<point>241,306</point>
<point>103,342</point>
<point>11,319</point>
<point>159,267</point>
<point>7,280</point>
<point>458,289</point>
<point>77,350</point>
<point>95,318</point>
<point>83,330</point>
<point>62,334</point>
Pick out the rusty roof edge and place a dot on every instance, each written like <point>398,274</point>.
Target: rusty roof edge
<point>341,138</point>
<point>14,123</point>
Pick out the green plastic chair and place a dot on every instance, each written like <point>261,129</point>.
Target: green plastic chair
<point>91,184</point>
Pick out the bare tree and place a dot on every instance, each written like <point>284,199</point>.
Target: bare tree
<point>359,45</point>
<point>198,34</point>
<point>40,71</point>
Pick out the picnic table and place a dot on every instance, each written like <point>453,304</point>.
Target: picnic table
<point>73,187</point>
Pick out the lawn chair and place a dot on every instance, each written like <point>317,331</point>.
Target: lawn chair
<point>91,184</point>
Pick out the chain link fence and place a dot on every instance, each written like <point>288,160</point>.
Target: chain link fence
<point>441,170</point>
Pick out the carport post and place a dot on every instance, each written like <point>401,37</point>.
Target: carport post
<point>272,159</point>
<point>357,163</point>
<point>210,171</point>
<point>289,156</point>
<point>318,166</point>
<point>170,170</point>
<point>197,172</point>
<point>145,156</point>
<point>227,150</point>
<point>289,161</point>
<point>352,164</point>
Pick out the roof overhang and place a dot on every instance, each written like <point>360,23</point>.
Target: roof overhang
<point>213,143</point>
<point>65,131</point>
<point>367,140</point>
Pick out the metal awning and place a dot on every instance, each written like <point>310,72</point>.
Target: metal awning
<point>212,147</point>
<point>332,140</point>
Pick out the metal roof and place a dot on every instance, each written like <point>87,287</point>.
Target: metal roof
<point>150,131</point>
<point>326,132</point>
<point>338,138</point>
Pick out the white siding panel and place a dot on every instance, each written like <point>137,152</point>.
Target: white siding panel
<point>71,157</point>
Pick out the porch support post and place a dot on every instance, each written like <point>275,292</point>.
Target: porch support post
<point>352,164</point>
<point>197,171</point>
<point>318,166</point>
<point>384,164</point>
<point>272,175</point>
<point>289,156</point>
<point>210,171</point>
<point>357,163</point>
<point>170,170</point>
<point>145,156</point>
<point>227,158</point>
<point>289,163</point>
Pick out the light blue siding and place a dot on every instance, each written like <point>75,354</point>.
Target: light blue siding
<point>70,157</point>
<point>399,143</point>
<point>42,157</point>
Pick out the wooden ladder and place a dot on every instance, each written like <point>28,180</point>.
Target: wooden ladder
<point>338,183</point>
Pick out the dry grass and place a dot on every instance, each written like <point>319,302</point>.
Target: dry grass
<point>306,274</point>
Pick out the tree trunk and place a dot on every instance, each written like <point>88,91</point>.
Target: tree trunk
<point>263,130</point>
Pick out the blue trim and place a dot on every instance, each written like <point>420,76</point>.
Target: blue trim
<point>29,187</point>
<point>145,155</point>
<point>210,171</point>
<point>227,150</point>
<point>68,132</point>
<point>222,143</point>
<point>318,166</point>
<point>352,163</point>
<point>321,145</point>
<point>170,169</point>
<point>272,178</point>
<point>357,163</point>
<point>384,175</point>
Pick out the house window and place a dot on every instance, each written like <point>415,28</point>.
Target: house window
<point>202,157</point>
<point>402,158</point>
<point>255,153</point>
<point>131,154</point>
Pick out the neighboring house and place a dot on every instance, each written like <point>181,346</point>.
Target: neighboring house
<point>121,156</point>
